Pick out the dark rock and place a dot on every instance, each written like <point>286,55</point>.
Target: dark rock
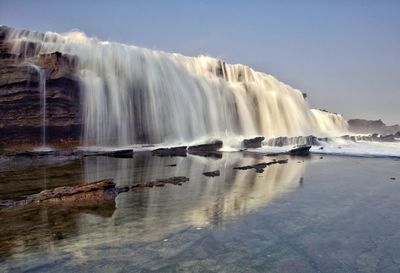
<point>174,151</point>
<point>177,180</point>
<point>171,165</point>
<point>122,189</point>
<point>301,150</point>
<point>212,174</point>
<point>253,142</point>
<point>259,167</point>
<point>393,178</point>
<point>210,147</point>
<point>124,153</point>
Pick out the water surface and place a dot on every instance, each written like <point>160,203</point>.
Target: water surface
<point>335,214</point>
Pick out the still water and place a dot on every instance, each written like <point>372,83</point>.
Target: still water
<point>330,214</point>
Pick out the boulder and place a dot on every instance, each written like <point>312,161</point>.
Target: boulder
<point>300,150</point>
<point>253,142</point>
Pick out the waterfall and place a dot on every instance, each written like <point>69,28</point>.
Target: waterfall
<point>42,91</point>
<point>135,95</point>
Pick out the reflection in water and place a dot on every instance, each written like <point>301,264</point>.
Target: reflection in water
<point>144,214</point>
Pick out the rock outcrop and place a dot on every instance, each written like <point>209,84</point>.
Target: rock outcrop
<point>290,141</point>
<point>20,104</point>
<point>363,126</point>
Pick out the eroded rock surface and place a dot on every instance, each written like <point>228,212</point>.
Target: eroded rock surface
<point>20,104</point>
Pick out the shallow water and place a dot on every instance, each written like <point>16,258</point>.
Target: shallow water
<point>335,214</point>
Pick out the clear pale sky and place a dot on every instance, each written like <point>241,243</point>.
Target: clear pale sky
<point>344,54</point>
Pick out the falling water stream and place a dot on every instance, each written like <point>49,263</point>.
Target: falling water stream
<point>42,91</point>
<point>134,95</point>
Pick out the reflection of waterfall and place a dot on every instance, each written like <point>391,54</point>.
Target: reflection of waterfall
<point>135,95</point>
<point>42,92</point>
<point>202,200</point>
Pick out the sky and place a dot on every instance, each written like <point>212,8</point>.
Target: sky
<point>344,54</point>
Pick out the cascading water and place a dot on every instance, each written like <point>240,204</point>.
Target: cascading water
<point>42,91</point>
<point>133,95</point>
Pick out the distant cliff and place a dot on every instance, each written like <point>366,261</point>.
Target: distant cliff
<point>20,115</point>
<point>363,126</point>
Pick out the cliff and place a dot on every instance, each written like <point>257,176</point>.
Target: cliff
<point>362,126</point>
<point>20,104</point>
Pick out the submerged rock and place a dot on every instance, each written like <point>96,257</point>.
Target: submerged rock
<point>176,180</point>
<point>253,142</point>
<point>212,174</point>
<point>259,167</point>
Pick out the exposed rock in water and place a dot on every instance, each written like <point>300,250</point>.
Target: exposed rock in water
<point>301,150</point>
<point>259,167</point>
<point>363,126</point>
<point>174,151</point>
<point>20,108</point>
<point>123,153</point>
<point>212,174</point>
<point>290,141</point>
<point>377,137</point>
<point>177,180</point>
<point>209,147</point>
<point>207,150</point>
<point>253,142</point>
<point>98,191</point>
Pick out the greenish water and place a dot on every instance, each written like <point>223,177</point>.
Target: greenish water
<point>336,214</point>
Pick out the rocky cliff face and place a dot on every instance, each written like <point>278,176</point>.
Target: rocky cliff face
<point>362,126</point>
<point>20,104</point>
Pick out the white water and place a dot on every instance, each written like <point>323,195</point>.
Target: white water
<point>134,95</point>
<point>42,92</point>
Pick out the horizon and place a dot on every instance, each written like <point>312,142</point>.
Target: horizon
<point>325,70</point>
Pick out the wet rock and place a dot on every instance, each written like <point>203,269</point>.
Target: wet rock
<point>124,153</point>
<point>349,137</point>
<point>212,174</point>
<point>377,137</point>
<point>207,150</point>
<point>301,150</point>
<point>259,167</point>
<point>98,191</point>
<point>177,180</point>
<point>289,141</point>
<point>174,151</point>
<point>209,147</point>
<point>253,142</point>
<point>122,189</point>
